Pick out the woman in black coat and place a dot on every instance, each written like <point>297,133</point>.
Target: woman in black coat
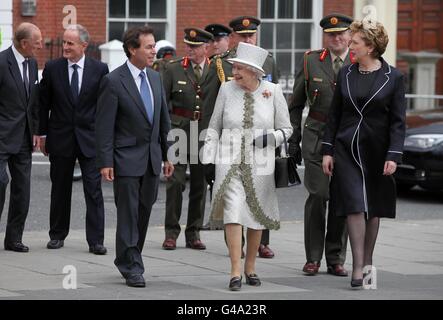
<point>363,142</point>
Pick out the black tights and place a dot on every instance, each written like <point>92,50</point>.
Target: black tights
<point>362,235</point>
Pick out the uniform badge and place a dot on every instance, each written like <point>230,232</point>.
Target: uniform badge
<point>317,79</point>
<point>192,34</point>
<point>181,82</point>
<point>246,22</point>
<point>333,21</point>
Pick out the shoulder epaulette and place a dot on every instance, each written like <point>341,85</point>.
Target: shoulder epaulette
<point>223,55</point>
<point>176,60</point>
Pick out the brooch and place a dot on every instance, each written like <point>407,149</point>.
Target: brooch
<point>267,94</point>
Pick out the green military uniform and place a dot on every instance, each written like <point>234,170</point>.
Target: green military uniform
<point>159,65</point>
<point>184,96</point>
<point>220,70</point>
<point>315,84</point>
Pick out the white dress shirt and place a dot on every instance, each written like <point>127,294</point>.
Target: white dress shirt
<point>81,67</point>
<point>19,58</point>
<point>136,75</point>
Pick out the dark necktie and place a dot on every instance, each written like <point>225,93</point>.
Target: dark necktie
<point>338,63</point>
<point>25,77</point>
<point>74,82</point>
<point>197,69</point>
<point>146,96</point>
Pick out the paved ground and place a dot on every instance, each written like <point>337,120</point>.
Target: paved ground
<point>408,258</point>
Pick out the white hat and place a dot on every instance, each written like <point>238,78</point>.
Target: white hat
<point>250,55</point>
<point>163,43</point>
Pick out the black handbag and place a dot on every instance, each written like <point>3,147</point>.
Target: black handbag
<point>285,173</point>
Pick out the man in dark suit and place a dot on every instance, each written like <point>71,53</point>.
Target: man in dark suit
<point>18,126</point>
<point>132,126</point>
<point>68,99</point>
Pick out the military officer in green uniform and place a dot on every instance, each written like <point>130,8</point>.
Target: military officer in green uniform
<point>314,86</point>
<point>244,30</point>
<point>182,79</point>
<point>220,44</point>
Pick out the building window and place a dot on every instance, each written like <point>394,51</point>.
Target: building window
<point>288,29</point>
<point>123,14</point>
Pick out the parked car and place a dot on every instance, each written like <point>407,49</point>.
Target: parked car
<point>423,151</point>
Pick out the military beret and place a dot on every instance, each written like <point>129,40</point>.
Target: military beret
<point>196,36</point>
<point>218,30</point>
<point>244,24</point>
<point>335,22</point>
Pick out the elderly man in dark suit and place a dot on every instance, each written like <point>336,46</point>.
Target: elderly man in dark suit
<point>68,96</point>
<point>18,125</point>
<point>132,126</point>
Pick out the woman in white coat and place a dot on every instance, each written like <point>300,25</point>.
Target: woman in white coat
<point>249,118</point>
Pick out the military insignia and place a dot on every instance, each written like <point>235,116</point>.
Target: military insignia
<point>333,21</point>
<point>323,55</point>
<point>192,34</point>
<point>181,82</point>
<point>246,22</point>
<point>317,79</point>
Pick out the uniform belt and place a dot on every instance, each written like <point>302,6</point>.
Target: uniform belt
<point>190,114</point>
<point>318,116</point>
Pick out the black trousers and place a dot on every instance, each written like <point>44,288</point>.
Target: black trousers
<point>61,171</point>
<point>19,165</point>
<point>134,198</point>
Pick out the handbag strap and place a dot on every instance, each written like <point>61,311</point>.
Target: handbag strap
<point>285,141</point>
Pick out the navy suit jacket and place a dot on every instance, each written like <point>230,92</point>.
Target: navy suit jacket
<point>126,140</point>
<point>61,119</point>
<point>15,111</point>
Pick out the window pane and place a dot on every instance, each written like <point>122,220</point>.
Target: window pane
<point>159,30</point>
<point>116,30</point>
<point>286,9</point>
<point>284,63</point>
<point>158,9</point>
<point>137,8</point>
<point>116,8</point>
<point>136,24</point>
<point>284,36</point>
<point>267,9</point>
<point>304,9</point>
<point>266,36</point>
<point>302,36</point>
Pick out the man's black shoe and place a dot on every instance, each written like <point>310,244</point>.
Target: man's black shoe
<point>16,246</point>
<point>98,249</point>
<point>55,244</point>
<point>136,281</point>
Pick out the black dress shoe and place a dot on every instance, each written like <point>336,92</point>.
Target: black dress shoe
<point>356,284</point>
<point>98,249</point>
<point>55,244</point>
<point>16,246</point>
<point>136,281</point>
<point>235,283</point>
<point>253,280</point>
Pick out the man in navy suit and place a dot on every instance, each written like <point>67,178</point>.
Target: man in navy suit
<point>132,126</point>
<point>68,98</point>
<point>18,128</point>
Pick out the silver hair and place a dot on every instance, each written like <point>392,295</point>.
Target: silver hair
<point>82,32</point>
<point>257,73</point>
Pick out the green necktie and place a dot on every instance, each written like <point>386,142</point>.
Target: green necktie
<point>197,72</point>
<point>338,63</point>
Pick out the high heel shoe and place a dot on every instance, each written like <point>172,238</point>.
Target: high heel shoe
<point>356,284</point>
<point>235,283</point>
<point>252,280</point>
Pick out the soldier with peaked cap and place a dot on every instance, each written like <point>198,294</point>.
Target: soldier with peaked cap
<point>314,86</point>
<point>244,30</point>
<point>182,80</point>
<point>220,44</point>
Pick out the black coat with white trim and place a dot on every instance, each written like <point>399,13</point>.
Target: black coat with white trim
<point>361,138</point>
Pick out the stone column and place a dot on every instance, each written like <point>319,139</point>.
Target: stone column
<point>385,12</point>
<point>112,53</point>
<point>422,70</point>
